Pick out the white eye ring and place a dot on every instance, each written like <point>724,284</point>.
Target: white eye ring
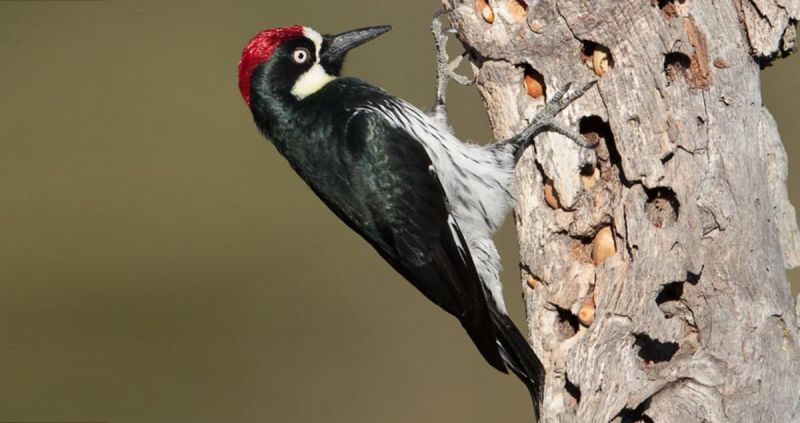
<point>300,55</point>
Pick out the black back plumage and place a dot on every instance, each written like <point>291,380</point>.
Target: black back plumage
<point>380,181</point>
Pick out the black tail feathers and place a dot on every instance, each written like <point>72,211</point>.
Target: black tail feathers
<point>519,357</point>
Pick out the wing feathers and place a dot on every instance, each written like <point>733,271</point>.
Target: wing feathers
<point>408,222</point>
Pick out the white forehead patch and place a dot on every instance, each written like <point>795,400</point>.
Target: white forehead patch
<point>314,36</point>
<point>315,78</point>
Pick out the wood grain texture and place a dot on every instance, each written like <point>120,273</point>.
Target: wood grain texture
<point>694,318</point>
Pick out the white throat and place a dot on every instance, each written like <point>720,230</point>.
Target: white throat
<point>311,81</point>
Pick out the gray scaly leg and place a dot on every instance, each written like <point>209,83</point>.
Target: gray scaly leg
<point>543,121</point>
<point>445,69</point>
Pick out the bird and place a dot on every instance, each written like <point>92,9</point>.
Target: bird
<point>426,201</point>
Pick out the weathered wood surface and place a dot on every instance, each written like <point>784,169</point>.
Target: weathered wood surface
<point>694,320</point>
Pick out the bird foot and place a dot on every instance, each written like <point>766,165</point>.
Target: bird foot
<point>544,120</point>
<point>445,69</point>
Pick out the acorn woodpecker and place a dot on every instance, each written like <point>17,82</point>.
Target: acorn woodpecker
<point>427,202</point>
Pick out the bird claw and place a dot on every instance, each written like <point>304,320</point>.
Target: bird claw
<point>445,69</point>
<point>462,80</point>
<point>455,62</point>
<point>544,120</point>
<point>561,100</point>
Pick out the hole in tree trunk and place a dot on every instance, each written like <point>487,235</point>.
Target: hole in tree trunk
<point>567,323</point>
<point>654,351</point>
<point>596,130</point>
<point>636,415</point>
<point>573,390</point>
<point>662,206</point>
<point>587,169</point>
<point>693,278</point>
<point>672,291</point>
<point>589,175</point>
<point>675,65</point>
<point>671,299</point>
<point>669,8</point>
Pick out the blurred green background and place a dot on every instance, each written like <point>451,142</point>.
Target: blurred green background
<point>160,262</point>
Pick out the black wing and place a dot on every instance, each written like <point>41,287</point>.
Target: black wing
<point>385,189</point>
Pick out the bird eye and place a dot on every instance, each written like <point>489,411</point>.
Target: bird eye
<point>300,56</point>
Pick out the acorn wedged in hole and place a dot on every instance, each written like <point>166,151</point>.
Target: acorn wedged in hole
<point>534,83</point>
<point>550,195</point>
<point>603,245</point>
<point>600,59</point>
<point>518,9</point>
<point>586,312</point>
<point>485,10</point>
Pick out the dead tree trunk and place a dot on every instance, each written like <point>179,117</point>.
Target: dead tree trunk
<point>654,263</point>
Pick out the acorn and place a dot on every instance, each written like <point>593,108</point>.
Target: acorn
<point>603,245</point>
<point>600,60</point>
<point>586,312</point>
<point>518,9</point>
<point>588,62</point>
<point>534,87</point>
<point>485,9</point>
<point>550,195</point>
<point>532,282</point>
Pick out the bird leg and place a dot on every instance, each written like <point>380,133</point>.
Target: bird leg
<point>445,69</point>
<point>543,121</point>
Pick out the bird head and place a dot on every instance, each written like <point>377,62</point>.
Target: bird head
<point>296,60</point>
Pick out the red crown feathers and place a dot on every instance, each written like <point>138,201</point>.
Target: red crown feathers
<point>259,49</point>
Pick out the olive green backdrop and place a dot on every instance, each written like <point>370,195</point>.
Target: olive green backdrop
<point>159,262</point>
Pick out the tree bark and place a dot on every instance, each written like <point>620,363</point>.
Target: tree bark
<point>653,271</point>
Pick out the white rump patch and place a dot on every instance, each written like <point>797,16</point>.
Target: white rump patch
<point>316,77</point>
<point>311,81</point>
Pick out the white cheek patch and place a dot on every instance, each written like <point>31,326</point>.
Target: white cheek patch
<point>311,81</point>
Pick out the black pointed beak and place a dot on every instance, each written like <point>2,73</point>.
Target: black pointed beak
<point>337,46</point>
